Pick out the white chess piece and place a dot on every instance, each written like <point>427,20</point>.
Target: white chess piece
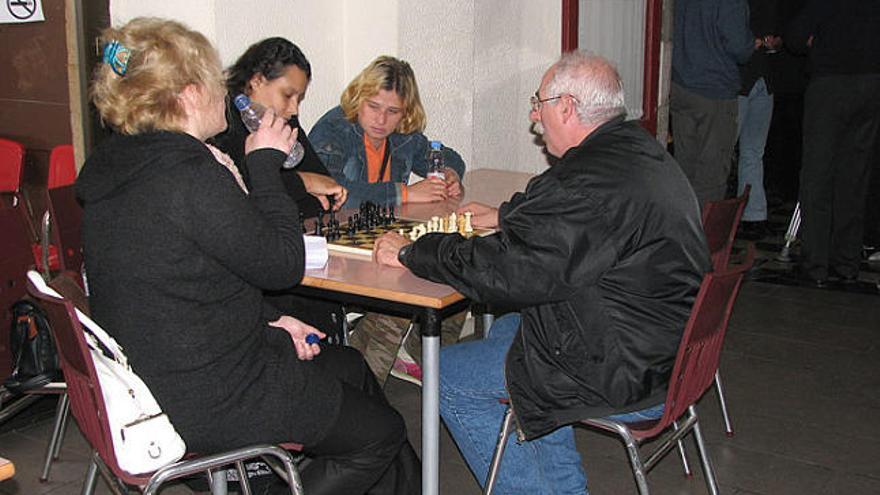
<point>468,228</point>
<point>451,223</point>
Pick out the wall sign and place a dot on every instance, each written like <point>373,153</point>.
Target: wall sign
<point>16,11</point>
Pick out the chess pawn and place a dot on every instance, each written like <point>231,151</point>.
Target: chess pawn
<point>451,223</point>
<point>468,228</point>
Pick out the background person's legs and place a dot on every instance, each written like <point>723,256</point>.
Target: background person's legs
<point>704,133</point>
<point>379,337</point>
<point>755,112</point>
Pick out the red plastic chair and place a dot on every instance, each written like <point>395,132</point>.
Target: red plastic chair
<point>692,374</point>
<point>11,165</point>
<point>65,213</point>
<point>62,166</point>
<point>720,222</point>
<point>87,404</point>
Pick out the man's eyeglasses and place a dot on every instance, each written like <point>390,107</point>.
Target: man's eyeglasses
<point>537,102</point>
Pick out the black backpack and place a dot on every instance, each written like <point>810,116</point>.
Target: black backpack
<point>34,359</point>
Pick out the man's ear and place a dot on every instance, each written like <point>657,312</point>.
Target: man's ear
<point>569,110</point>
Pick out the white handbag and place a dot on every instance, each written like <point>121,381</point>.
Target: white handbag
<point>144,439</point>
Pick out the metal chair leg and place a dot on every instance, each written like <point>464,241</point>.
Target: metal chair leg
<point>790,234</point>
<point>635,460</point>
<point>719,389</point>
<point>54,446</point>
<point>91,478</point>
<point>499,452</point>
<point>708,472</point>
<point>64,417</point>
<point>243,480</point>
<point>488,319</point>
<point>219,482</point>
<point>682,454</point>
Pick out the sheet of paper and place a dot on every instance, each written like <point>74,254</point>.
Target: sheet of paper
<point>316,251</point>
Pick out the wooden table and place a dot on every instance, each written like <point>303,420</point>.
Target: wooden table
<point>353,279</point>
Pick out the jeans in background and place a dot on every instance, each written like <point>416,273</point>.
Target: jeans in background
<point>755,113</point>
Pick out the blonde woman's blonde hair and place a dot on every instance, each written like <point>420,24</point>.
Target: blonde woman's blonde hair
<point>390,74</point>
<point>163,58</point>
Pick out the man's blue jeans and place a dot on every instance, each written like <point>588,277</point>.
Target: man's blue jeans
<point>755,112</point>
<point>471,384</point>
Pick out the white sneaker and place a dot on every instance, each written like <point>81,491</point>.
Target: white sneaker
<point>406,368</point>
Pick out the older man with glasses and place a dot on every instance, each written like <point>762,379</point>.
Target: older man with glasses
<point>601,257</point>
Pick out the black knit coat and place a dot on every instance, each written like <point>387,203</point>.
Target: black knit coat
<point>177,257</point>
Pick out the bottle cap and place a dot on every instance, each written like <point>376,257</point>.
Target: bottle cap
<point>241,102</point>
<point>436,145</point>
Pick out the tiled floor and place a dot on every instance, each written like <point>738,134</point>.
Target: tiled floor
<point>802,378</point>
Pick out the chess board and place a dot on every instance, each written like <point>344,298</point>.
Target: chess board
<point>362,242</point>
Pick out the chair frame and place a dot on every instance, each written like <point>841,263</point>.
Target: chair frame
<point>89,409</point>
<point>691,377</point>
<point>720,242</point>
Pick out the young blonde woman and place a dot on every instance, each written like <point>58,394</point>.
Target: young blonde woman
<point>374,140</point>
<point>371,143</point>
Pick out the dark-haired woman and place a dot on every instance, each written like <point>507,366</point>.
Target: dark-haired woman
<point>276,74</point>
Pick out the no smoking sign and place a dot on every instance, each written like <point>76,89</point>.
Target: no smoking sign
<point>16,11</point>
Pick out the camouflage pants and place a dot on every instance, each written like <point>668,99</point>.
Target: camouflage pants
<point>379,337</point>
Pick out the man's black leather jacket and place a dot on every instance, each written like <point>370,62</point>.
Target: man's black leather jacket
<point>603,255</point>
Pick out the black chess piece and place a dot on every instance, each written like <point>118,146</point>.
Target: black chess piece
<point>391,214</point>
<point>332,220</point>
<point>319,223</point>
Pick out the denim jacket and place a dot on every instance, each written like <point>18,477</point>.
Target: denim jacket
<point>340,145</point>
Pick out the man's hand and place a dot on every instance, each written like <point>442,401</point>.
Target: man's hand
<point>273,133</point>
<point>484,216</point>
<point>427,191</point>
<point>386,248</point>
<point>321,186</point>
<point>298,332</point>
<point>454,188</point>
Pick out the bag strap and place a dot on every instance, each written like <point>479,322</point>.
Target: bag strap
<point>88,324</point>
<point>386,160</point>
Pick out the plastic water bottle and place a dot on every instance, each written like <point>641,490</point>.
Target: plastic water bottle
<point>435,167</point>
<point>251,113</point>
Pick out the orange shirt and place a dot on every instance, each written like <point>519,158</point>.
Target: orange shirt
<point>374,165</point>
<point>374,161</point>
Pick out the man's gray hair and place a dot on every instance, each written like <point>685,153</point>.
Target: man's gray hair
<point>593,82</point>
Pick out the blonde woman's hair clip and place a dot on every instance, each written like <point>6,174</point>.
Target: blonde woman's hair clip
<point>116,55</point>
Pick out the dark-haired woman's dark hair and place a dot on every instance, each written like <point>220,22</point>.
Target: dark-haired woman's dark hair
<point>270,57</point>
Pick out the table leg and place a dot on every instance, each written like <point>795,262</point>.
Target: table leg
<point>430,402</point>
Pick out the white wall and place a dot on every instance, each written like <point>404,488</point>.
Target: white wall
<point>476,61</point>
